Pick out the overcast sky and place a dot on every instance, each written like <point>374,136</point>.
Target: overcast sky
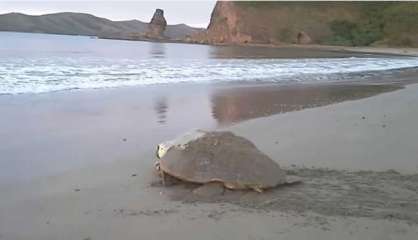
<point>194,13</point>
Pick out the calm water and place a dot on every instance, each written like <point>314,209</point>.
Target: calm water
<point>37,63</point>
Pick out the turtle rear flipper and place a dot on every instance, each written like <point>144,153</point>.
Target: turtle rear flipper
<point>257,189</point>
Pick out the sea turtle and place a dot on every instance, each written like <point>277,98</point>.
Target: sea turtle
<point>219,157</point>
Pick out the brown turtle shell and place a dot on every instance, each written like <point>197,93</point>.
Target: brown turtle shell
<point>222,157</point>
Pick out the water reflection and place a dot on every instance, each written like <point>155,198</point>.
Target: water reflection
<point>161,108</point>
<point>157,50</point>
<point>232,105</point>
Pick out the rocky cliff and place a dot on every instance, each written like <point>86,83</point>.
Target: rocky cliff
<point>157,25</point>
<point>335,23</point>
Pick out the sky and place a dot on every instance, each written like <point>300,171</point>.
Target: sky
<point>193,13</point>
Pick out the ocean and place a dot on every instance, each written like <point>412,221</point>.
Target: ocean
<point>41,63</point>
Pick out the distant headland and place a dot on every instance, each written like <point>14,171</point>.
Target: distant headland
<point>352,24</point>
<point>70,23</point>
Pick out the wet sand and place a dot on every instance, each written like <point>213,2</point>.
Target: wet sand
<point>69,130</point>
<point>86,169</point>
<point>330,48</point>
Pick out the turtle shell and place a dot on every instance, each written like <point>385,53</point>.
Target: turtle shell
<point>222,157</point>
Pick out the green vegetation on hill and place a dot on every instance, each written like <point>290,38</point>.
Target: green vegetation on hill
<point>352,34</point>
<point>386,23</point>
<point>371,23</point>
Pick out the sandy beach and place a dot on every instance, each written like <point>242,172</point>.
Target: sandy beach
<point>94,179</point>
<point>210,120</point>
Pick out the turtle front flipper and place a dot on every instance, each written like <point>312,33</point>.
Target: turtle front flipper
<point>163,178</point>
<point>160,172</point>
<point>210,189</point>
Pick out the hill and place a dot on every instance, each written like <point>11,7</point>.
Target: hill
<point>331,23</point>
<point>84,24</point>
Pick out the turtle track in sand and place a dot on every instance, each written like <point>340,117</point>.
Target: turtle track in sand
<point>377,195</point>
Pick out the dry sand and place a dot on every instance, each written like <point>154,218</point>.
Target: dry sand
<point>123,199</point>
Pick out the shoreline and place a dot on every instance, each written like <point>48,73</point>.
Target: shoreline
<point>397,51</point>
<point>400,76</point>
<point>384,50</point>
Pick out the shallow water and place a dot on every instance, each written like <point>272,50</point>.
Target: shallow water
<point>38,63</point>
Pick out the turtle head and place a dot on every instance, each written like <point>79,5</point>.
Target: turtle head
<point>162,149</point>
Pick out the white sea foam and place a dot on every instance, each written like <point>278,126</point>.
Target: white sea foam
<point>37,74</point>
<point>37,63</point>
